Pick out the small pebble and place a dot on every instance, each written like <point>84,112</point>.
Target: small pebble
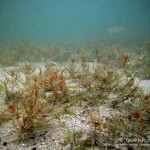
<point>130,148</point>
<point>4,143</point>
<point>110,147</point>
<point>32,137</point>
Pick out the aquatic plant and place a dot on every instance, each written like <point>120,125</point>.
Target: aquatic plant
<point>29,115</point>
<point>98,83</point>
<point>122,85</point>
<point>24,103</point>
<point>72,68</point>
<point>53,81</point>
<point>140,63</point>
<point>10,84</point>
<point>34,97</point>
<point>4,117</point>
<point>70,137</point>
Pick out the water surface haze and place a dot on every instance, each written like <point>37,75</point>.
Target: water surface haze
<point>73,21</point>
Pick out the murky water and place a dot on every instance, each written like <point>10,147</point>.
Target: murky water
<point>37,30</point>
<point>74,20</point>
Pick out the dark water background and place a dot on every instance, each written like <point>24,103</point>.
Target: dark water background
<point>73,21</point>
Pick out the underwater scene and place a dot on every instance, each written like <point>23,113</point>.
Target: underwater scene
<point>74,74</point>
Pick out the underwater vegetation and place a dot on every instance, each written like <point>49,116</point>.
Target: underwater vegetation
<point>98,50</point>
<point>35,97</point>
<point>22,97</point>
